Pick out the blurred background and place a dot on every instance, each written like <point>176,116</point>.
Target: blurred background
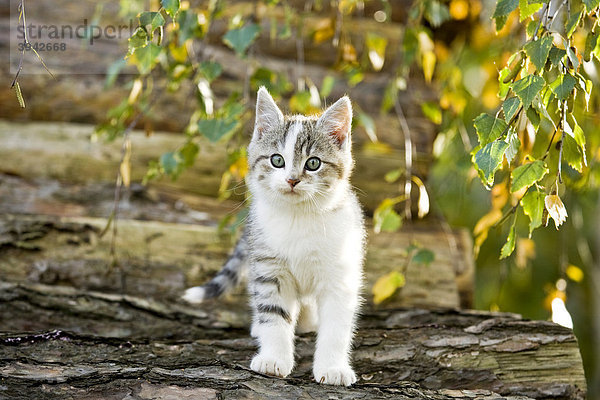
<point>418,73</point>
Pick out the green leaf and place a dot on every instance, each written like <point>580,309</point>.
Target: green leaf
<point>514,144</point>
<point>152,18</point>
<point>534,117</point>
<point>488,128</point>
<point>327,86</point>
<point>432,111</point>
<point>538,51</point>
<point>500,22</point>
<point>169,163</point>
<point>533,207</point>
<point>556,55</point>
<point>241,38</point>
<point>368,123</point>
<point>423,256</point>
<point>572,153</point>
<point>509,246</point>
<point>590,5</point>
<point>563,86</point>
<point>505,7</point>
<point>385,218</point>
<point>436,13</point>
<point>572,23</point>
<point>591,42</point>
<point>137,40</point>
<point>145,58</point>
<point>211,70</point>
<point>528,174</point>
<point>573,57</point>
<point>188,26</point>
<point>171,6</point>
<point>387,285</point>
<point>489,159</point>
<point>393,175</point>
<point>578,135</point>
<point>376,45</point>
<point>215,129</point>
<point>510,107</point>
<point>527,9</point>
<point>188,154</point>
<point>527,88</point>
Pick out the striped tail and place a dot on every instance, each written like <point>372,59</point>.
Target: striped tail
<point>226,279</point>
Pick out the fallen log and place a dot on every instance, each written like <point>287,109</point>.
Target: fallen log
<point>62,341</point>
<point>64,152</point>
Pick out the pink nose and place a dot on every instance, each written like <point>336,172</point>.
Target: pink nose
<point>293,182</point>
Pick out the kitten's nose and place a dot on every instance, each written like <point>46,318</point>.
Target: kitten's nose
<point>293,182</point>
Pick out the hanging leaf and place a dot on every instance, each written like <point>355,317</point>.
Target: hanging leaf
<point>241,38</point>
<point>169,164</point>
<point>152,18</point>
<point>533,207</point>
<point>19,94</point>
<point>489,159</point>
<point>509,246</point>
<point>528,174</point>
<point>327,86</point>
<point>385,219</point>
<point>376,45</point>
<point>572,153</point>
<point>428,60</point>
<point>591,42</point>
<point>527,88</point>
<point>432,111</point>
<point>527,9</point>
<point>556,209</point>
<point>563,86</point>
<point>211,70</point>
<point>488,128</point>
<point>424,257</point>
<point>534,117</point>
<point>387,285</point>
<point>510,107</point>
<point>215,129</point>
<point>145,58</point>
<point>436,13</point>
<point>137,40</point>
<point>538,51</point>
<point>572,23</point>
<point>514,144</point>
<point>556,55</point>
<point>171,6</point>
<point>505,7</point>
<point>368,123</point>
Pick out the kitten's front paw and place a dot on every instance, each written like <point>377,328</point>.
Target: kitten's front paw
<point>271,366</point>
<point>335,375</point>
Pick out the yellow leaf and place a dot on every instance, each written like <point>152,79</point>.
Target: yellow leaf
<point>136,89</point>
<point>423,204</point>
<point>459,9</point>
<point>125,167</point>
<point>556,209</point>
<point>428,61</point>
<point>179,53</point>
<point>575,273</point>
<point>377,148</point>
<point>323,31</point>
<point>385,286</point>
<point>348,53</point>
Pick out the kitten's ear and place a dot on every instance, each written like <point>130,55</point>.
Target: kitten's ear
<point>337,120</point>
<point>268,115</point>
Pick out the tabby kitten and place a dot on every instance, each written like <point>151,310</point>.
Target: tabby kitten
<point>303,241</point>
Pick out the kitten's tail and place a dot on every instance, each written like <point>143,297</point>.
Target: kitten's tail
<point>226,279</point>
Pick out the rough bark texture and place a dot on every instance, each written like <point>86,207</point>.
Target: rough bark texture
<point>110,346</point>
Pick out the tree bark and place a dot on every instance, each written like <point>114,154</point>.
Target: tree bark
<point>95,345</point>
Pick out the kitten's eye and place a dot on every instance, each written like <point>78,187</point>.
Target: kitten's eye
<point>277,161</point>
<point>312,164</point>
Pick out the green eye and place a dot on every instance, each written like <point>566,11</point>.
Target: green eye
<point>312,164</point>
<point>277,161</point>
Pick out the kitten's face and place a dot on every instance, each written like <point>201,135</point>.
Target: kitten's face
<point>299,159</point>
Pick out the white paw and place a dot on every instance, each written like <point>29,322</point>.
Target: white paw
<point>335,375</point>
<point>271,366</point>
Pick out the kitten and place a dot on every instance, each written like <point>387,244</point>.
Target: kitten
<point>303,241</point>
